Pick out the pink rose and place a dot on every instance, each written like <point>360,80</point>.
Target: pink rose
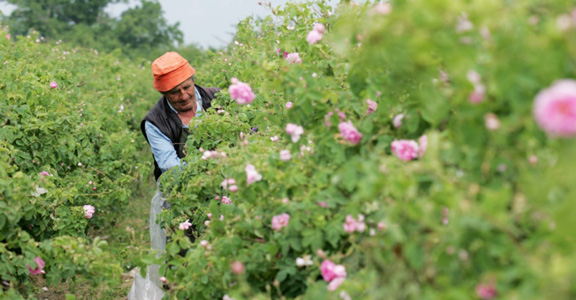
<point>313,37</point>
<point>39,266</point>
<point>423,145</point>
<point>185,225</point>
<point>289,105</point>
<point>555,108</point>
<point>352,225</point>
<point>285,155</point>
<point>274,139</point>
<point>319,27</point>
<point>372,106</point>
<point>241,92</point>
<point>383,8</point>
<point>327,119</point>
<point>491,121</point>
<point>280,221</point>
<point>237,267</point>
<point>327,270</point>
<point>397,121</point>
<point>294,131</point>
<point>251,174</point>
<point>486,291</point>
<point>405,149</point>
<point>331,271</point>
<point>349,132</point>
<point>294,58</point>
<point>226,200</point>
<point>89,211</point>
<point>477,95</point>
<point>44,173</point>
<point>334,284</point>
<point>53,85</point>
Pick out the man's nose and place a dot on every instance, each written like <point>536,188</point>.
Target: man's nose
<point>184,95</point>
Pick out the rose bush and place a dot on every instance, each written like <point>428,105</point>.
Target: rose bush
<point>483,199</point>
<point>70,157</point>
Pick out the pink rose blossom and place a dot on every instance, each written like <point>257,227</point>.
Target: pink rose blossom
<point>372,106</point>
<point>314,37</point>
<point>352,225</point>
<point>294,131</point>
<point>397,121</point>
<point>330,271</point>
<point>405,149</point>
<point>327,119</point>
<point>44,173</point>
<point>204,243</point>
<point>274,139</point>
<point>237,267</point>
<point>226,200</point>
<point>491,121</point>
<point>383,8</point>
<point>185,225</point>
<point>319,27</point>
<point>39,266</point>
<point>555,108</point>
<point>322,203</point>
<point>423,145</point>
<point>285,155</point>
<point>342,116</point>
<point>227,183</point>
<point>349,132</point>
<point>477,95</point>
<point>486,291</point>
<point>7,36</point>
<point>334,284</point>
<point>251,174</point>
<point>241,92</point>
<point>209,215</point>
<point>280,221</point>
<point>53,85</point>
<point>163,279</point>
<point>89,211</point>
<point>289,105</point>
<point>233,188</point>
<point>294,58</point>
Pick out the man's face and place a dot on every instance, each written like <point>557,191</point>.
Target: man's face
<point>183,96</point>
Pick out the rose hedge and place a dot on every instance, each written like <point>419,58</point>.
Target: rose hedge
<point>482,211</point>
<point>69,138</point>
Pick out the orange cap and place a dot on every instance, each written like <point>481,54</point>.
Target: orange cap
<point>170,70</point>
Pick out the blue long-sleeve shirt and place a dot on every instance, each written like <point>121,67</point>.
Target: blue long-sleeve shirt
<point>162,147</point>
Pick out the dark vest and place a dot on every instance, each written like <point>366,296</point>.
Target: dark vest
<point>163,117</point>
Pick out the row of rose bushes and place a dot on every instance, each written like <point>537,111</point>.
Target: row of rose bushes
<point>409,150</point>
<point>71,153</point>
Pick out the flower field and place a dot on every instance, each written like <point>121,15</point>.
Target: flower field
<point>405,150</point>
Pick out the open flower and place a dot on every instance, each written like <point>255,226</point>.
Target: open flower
<point>39,266</point>
<point>285,155</point>
<point>294,58</point>
<point>294,131</point>
<point>349,132</point>
<point>88,211</point>
<point>53,85</point>
<point>372,106</point>
<point>405,149</point>
<point>185,225</point>
<point>251,174</point>
<point>314,37</point>
<point>555,108</point>
<point>333,274</point>
<point>280,221</point>
<point>241,92</point>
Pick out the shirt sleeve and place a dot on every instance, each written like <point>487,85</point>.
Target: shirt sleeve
<point>162,147</point>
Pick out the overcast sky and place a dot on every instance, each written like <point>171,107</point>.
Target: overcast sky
<point>203,22</point>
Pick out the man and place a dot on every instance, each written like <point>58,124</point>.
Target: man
<point>165,127</point>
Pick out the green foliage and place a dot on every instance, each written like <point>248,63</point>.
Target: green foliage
<point>476,208</point>
<point>62,148</point>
